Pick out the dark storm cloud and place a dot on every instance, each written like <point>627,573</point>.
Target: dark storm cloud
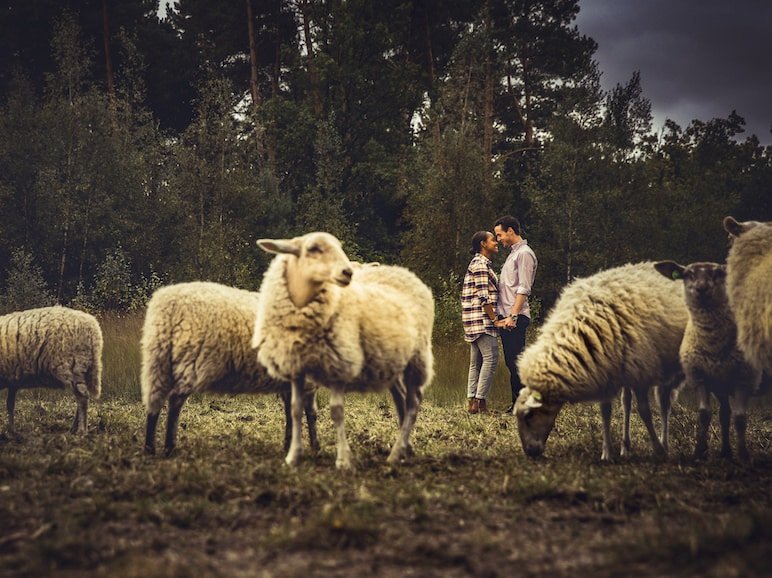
<point>698,59</point>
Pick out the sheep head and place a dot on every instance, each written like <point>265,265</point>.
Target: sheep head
<point>704,283</point>
<point>535,420</point>
<point>314,260</point>
<point>736,228</point>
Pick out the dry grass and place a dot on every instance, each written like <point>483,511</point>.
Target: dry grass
<point>469,504</point>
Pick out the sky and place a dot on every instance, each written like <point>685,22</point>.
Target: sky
<point>698,59</point>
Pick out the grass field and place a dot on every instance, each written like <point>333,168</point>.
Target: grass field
<point>469,504</point>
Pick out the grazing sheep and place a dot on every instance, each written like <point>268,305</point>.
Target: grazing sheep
<point>618,328</point>
<point>709,354</point>
<point>196,337</point>
<point>349,328</point>
<point>54,347</point>
<point>749,288</point>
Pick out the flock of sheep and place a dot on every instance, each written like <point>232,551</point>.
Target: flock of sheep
<point>320,320</point>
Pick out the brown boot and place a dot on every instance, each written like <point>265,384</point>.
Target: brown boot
<point>473,405</point>
<point>482,406</point>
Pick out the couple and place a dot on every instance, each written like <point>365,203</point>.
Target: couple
<point>493,307</point>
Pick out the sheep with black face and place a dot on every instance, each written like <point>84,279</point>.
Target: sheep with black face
<point>710,357</point>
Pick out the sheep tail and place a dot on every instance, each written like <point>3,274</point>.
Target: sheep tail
<point>157,373</point>
<point>94,373</point>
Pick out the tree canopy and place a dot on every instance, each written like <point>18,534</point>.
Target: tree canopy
<point>141,150</point>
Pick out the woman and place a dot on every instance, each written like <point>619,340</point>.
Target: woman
<point>478,314</point>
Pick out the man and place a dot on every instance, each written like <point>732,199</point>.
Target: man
<point>515,282</point>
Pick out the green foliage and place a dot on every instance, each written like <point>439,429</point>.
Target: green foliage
<point>400,127</point>
<point>112,283</point>
<point>447,316</point>
<point>25,286</point>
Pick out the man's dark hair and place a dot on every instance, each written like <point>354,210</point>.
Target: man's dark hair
<point>477,240</point>
<point>509,222</point>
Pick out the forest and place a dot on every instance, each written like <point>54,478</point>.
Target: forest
<point>139,148</point>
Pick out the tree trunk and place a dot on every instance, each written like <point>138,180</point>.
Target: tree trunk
<point>62,264</point>
<point>313,74</point>
<point>253,86</point>
<point>430,70</point>
<point>85,242</point>
<point>488,100</point>
<point>108,59</point>
<point>522,114</point>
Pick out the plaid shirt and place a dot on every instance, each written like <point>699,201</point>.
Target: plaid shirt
<point>480,288</point>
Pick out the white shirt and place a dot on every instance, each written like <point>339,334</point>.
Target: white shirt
<point>517,276</point>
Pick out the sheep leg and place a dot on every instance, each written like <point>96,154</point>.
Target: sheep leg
<point>703,423</point>
<point>402,447</point>
<point>10,404</point>
<point>311,414</point>
<point>309,406</point>
<point>605,414</point>
<point>152,424</point>
<point>739,405</point>
<point>627,404</point>
<point>296,443</point>
<point>286,397</point>
<point>176,402</point>
<point>398,395</point>
<point>724,416</point>
<point>665,398</point>
<point>644,410</point>
<point>81,411</point>
<point>343,460</point>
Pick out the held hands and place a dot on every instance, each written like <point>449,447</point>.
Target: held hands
<point>507,323</point>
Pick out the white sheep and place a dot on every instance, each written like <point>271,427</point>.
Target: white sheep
<point>709,354</point>
<point>749,287</point>
<point>53,347</point>
<point>620,328</point>
<point>196,337</point>
<point>348,328</point>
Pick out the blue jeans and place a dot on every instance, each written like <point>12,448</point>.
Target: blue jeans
<point>483,358</point>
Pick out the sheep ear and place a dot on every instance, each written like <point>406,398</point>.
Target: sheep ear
<point>290,246</point>
<point>736,228</point>
<point>732,227</point>
<point>670,269</point>
<point>534,400</point>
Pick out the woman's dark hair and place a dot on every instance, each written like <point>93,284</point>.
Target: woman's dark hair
<point>478,239</point>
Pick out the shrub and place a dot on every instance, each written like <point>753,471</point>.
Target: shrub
<point>447,308</point>
<point>26,288</point>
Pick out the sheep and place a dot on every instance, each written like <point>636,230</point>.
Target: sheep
<point>349,328</point>
<point>618,328</point>
<point>709,354</point>
<point>749,288</point>
<point>55,347</point>
<point>196,337</point>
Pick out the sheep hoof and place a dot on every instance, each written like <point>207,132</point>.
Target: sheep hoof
<point>701,454</point>
<point>344,465</point>
<point>12,436</point>
<point>169,452</point>
<point>149,450</point>
<point>396,456</point>
<point>291,461</point>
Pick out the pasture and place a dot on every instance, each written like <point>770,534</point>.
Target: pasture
<point>469,504</point>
